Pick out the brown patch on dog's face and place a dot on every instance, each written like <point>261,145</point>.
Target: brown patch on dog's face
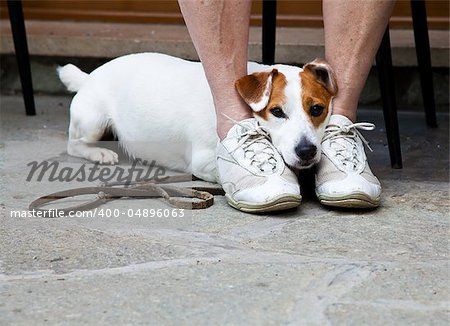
<point>277,96</point>
<point>262,91</point>
<point>316,95</point>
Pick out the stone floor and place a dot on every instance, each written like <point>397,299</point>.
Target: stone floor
<point>310,266</point>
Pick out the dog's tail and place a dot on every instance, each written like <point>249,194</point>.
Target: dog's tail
<point>72,77</point>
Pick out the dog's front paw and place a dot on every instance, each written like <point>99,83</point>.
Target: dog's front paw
<point>103,156</point>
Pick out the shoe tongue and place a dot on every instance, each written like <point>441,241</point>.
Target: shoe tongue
<point>243,126</point>
<point>340,120</point>
<point>348,144</point>
<point>258,154</point>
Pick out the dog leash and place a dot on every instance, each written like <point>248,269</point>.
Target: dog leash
<point>176,196</point>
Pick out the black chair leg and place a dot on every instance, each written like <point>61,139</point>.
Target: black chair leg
<point>22,56</point>
<point>387,90</point>
<point>419,18</point>
<point>269,22</point>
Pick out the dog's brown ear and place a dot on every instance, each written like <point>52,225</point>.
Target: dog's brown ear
<point>323,73</point>
<point>255,89</point>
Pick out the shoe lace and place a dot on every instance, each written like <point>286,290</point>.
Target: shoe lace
<point>343,140</point>
<point>255,141</point>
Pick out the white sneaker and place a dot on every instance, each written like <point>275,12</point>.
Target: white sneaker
<point>253,173</point>
<point>343,177</point>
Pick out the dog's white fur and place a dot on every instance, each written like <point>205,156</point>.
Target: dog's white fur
<point>152,98</point>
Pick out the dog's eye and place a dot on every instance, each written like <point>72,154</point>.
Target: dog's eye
<point>278,112</point>
<point>316,110</point>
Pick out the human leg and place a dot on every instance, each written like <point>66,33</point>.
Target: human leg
<point>253,181</point>
<point>353,32</point>
<point>219,30</point>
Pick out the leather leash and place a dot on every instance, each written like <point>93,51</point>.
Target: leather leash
<point>176,196</point>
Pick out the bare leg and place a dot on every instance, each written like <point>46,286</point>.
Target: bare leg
<point>353,32</point>
<point>219,30</point>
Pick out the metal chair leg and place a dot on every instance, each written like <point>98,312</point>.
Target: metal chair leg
<point>419,18</point>
<point>269,22</point>
<point>22,56</point>
<point>387,89</point>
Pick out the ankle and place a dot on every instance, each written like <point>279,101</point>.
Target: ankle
<point>350,114</point>
<point>223,127</point>
<point>225,123</point>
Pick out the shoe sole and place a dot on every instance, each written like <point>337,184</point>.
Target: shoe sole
<point>279,203</point>
<point>356,200</point>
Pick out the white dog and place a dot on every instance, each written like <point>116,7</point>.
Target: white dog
<point>151,98</point>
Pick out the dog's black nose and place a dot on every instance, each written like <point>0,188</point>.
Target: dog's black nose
<point>306,150</point>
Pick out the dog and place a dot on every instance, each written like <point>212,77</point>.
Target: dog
<point>151,98</point>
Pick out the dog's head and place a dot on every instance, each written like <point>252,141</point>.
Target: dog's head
<point>294,106</point>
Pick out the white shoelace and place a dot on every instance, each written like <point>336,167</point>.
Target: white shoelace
<point>343,140</point>
<point>255,142</point>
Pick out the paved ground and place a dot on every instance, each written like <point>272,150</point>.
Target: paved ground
<point>311,266</point>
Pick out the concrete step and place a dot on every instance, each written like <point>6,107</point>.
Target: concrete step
<point>107,40</point>
<point>89,45</point>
